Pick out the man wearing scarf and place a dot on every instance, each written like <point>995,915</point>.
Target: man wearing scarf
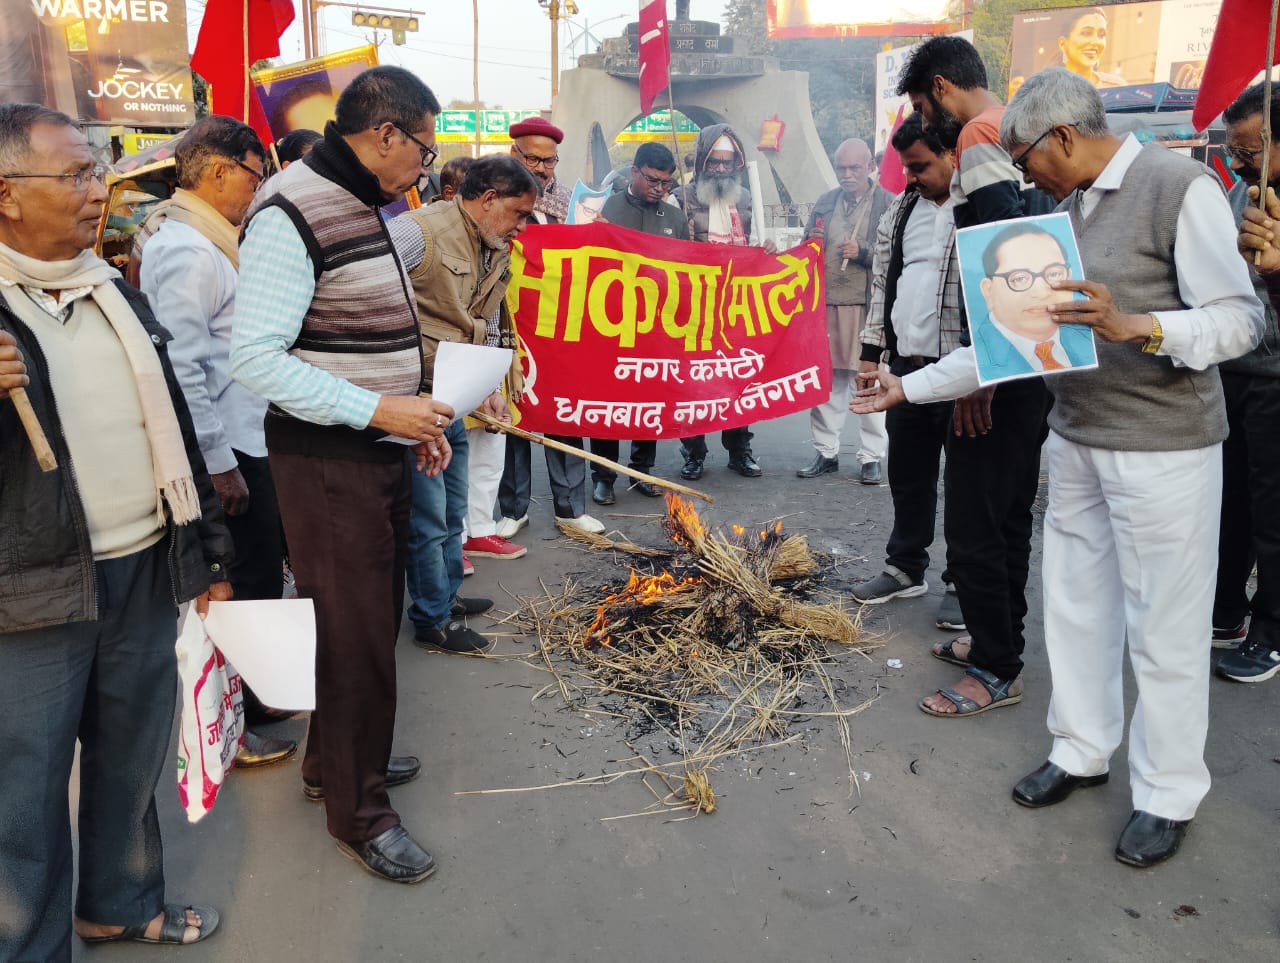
<point>188,273</point>
<point>98,555</point>
<point>327,331</point>
<point>719,211</point>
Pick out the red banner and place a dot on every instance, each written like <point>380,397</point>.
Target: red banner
<point>631,336</point>
<point>655,52</point>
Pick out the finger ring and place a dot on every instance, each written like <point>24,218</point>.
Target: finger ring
<point>438,421</point>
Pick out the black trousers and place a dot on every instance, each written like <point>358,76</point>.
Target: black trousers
<point>258,569</point>
<point>991,483</point>
<point>567,475</point>
<point>348,529</point>
<point>1250,527</point>
<point>643,455</point>
<point>917,436</point>
<point>112,684</point>
<point>736,441</point>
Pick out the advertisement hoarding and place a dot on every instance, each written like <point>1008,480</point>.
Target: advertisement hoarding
<point>857,18</point>
<point>101,61</point>
<point>1133,53</point>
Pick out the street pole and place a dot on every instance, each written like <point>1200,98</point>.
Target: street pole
<point>475,69</point>
<point>553,11</point>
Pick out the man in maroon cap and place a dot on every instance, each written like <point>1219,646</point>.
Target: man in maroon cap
<point>535,142</point>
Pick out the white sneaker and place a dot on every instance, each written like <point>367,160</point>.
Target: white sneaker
<point>507,527</point>
<point>584,523</point>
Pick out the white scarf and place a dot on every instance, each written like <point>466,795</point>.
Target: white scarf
<point>175,488</point>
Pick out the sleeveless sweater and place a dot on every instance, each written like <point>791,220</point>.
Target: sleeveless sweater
<point>362,324</point>
<point>1134,401</point>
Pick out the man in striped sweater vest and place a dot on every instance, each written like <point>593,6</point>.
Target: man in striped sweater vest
<point>327,332</point>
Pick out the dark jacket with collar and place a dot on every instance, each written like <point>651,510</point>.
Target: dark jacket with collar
<point>46,565</point>
<point>624,209</point>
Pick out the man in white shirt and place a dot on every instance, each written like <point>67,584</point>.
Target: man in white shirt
<point>1134,457</point>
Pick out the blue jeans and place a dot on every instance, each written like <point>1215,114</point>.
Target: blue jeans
<point>435,536</point>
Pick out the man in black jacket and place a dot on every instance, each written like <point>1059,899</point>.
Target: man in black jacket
<point>641,206</point>
<point>98,555</point>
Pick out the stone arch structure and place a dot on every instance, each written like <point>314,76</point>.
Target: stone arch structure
<point>603,89</point>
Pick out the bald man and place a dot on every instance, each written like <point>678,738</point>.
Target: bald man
<point>845,220</point>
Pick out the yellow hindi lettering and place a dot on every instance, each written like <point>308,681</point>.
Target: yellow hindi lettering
<point>640,300</point>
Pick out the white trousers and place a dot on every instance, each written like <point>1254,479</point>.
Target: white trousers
<point>827,421</point>
<point>1131,552</point>
<point>486,457</point>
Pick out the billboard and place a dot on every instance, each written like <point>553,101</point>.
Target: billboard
<point>1127,50</point>
<point>302,96</point>
<point>101,61</point>
<point>857,18</point>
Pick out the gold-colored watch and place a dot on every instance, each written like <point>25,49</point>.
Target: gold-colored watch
<point>1152,344</point>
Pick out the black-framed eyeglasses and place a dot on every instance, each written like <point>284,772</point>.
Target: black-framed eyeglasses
<point>665,183</point>
<point>258,176</point>
<point>1244,155</point>
<point>532,160</point>
<point>429,153</point>
<point>1022,279</point>
<point>1020,162</point>
<point>80,179</point>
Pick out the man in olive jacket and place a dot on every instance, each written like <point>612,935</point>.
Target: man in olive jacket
<point>98,555</point>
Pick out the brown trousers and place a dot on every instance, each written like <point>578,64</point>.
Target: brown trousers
<point>347,525</point>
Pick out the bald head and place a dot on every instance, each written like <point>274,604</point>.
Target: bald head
<point>853,166</point>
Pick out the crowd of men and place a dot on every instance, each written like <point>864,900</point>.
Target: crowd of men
<point>298,325</point>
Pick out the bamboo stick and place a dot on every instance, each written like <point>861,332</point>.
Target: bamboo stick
<point>35,434</point>
<point>588,456</point>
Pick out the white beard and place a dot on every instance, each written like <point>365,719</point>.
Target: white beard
<point>719,187</point>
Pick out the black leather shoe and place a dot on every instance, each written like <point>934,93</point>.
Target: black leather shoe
<point>392,855</point>
<point>745,465</point>
<point>821,465</point>
<point>1149,839</point>
<point>1051,784</point>
<point>871,473</point>
<point>400,770</point>
<point>692,469</point>
<point>602,494</point>
<point>257,751</point>
<point>455,638</point>
<point>646,488</point>
<point>475,606</point>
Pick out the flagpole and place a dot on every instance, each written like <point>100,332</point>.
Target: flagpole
<point>245,23</point>
<point>1266,131</point>
<point>675,144</point>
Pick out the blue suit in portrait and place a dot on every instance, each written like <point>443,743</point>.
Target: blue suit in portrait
<point>998,358</point>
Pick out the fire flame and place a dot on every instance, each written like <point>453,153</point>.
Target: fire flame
<point>640,589</point>
<point>689,529</point>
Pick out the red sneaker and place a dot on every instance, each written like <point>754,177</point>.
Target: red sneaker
<point>467,567</point>
<point>493,546</point>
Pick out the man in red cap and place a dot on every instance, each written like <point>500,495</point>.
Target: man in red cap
<point>535,142</point>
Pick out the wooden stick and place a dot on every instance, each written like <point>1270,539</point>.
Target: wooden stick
<point>1266,133</point>
<point>588,456</point>
<point>35,434</point>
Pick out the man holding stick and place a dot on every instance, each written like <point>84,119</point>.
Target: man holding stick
<point>98,555</point>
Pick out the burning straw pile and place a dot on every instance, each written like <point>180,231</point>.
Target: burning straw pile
<point>717,649</point>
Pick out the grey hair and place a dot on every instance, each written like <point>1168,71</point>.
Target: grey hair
<point>1052,98</point>
<point>16,121</point>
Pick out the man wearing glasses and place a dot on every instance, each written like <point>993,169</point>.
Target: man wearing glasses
<point>189,261</point>
<point>327,331</point>
<point>1023,263</point>
<point>845,221</point>
<point>641,207</point>
<point>535,142</point>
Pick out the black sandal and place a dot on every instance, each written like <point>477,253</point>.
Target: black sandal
<point>1004,692</point>
<point>172,930</point>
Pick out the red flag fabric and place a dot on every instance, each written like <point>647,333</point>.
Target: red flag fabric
<point>628,335</point>
<point>219,56</point>
<point>655,52</point>
<point>1237,55</point>
<point>892,176</point>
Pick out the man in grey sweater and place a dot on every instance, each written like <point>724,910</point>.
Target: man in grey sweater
<point>1134,455</point>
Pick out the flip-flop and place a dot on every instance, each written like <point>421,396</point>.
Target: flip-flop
<point>1001,690</point>
<point>946,652</point>
<point>172,929</point>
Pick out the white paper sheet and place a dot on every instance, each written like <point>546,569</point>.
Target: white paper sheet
<point>466,374</point>
<point>271,643</point>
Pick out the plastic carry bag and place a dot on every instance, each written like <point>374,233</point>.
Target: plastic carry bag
<point>212,717</point>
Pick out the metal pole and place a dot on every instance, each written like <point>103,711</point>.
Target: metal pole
<point>475,69</point>
<point>314,16</point>
<point>553,11</point>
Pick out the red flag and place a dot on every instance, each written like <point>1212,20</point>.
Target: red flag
<point>1238,54</point>
<point>892,176</point>
<point>220,59</point>
<point>655,52</point>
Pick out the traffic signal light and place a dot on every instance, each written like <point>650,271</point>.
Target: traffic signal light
<point>382,21</point>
